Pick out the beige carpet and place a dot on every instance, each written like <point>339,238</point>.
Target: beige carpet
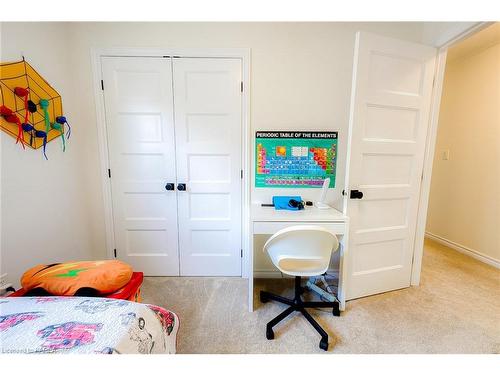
<point>456,309</point>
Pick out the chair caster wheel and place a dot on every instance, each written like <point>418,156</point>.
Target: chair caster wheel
<point>323,344</point>
<point>263,297</point>
<point>269,334</point>
<point>336,309</point>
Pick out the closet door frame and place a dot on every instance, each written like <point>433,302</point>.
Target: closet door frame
<point>234,53</point>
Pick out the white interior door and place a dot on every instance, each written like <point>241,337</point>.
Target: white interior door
<point>207,101</point>
<point>392,84</point>
<point>140,132</point>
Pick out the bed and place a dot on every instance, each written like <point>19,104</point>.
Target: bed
<point>85,325</point>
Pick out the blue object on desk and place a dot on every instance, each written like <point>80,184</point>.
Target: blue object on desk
<point>283,202</point>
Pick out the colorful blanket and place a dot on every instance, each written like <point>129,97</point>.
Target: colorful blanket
<point>85,325</point>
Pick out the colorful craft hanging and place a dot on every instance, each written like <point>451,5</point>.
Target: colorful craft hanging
<point>60,128</point>
<point>30,129</point>
<point>43,135</point>
<point>12,118</point>
<point>29,104</point>
<point>59,125</point>
<point>23,93</point>
<point>44,104</point>
<point>62,120</point>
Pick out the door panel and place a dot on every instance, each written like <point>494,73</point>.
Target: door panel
<point>208,142</point>
<point>140,131</point>
<point>392,84</point>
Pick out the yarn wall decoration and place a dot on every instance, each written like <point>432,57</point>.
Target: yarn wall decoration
<point>30,108</point>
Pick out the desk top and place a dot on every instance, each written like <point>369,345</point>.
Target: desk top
<point>259,213</point>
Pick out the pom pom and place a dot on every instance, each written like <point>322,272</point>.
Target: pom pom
<point>31,106</point>
<point>5,111</point>
<point>22,92</point>
<point>44,103</point>
<point>27,127</point>
<point>12,118</point>
<point>60,120</point>
<point>40,134</point>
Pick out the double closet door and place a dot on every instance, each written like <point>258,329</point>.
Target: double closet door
<point>174,142</point>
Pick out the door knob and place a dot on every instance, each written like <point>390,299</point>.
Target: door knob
<point>170,186</point>
<point>181,187</point>
<point>356,194</point>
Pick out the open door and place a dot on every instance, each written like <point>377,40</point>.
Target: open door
<point>390,104</point>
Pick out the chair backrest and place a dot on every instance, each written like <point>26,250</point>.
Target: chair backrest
<point>302,250</point>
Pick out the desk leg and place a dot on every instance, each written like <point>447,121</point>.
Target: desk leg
<point>342,270</point>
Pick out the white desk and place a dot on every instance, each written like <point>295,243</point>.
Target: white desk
<point>267,220</point>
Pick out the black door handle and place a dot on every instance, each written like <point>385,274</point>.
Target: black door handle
<point>181,187</point>
<point>356,194</point>
<point>170,186</point>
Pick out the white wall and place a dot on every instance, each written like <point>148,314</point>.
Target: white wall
<point>44,218</point>
<point>464,205</point>
<point>300,79</point>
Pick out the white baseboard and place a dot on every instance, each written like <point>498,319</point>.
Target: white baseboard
<point>464,250</point>
<point>273,274</point>
<point>267,274</point>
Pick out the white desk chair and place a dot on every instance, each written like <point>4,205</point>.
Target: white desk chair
<point>301,250</point>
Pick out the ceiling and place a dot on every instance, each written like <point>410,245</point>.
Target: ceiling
<point>476,43</point>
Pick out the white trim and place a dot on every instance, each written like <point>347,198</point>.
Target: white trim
<point>425,187</point>
<point>241,53</point>
<point>268,275</point>
<point>180,52</point>
<point>275,274</point>
<point>454,39</point>
<point>464,250</point>
<point>103,152</point>
<point>246,161</point>
<point>430,147</point>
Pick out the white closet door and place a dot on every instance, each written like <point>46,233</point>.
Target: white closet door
<point>207,101</point>
<point>392,85</point>
<point>139,118</point>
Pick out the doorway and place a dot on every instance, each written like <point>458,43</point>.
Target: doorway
<point>462,216</point>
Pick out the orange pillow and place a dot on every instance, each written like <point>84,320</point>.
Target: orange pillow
<point>65,279</point>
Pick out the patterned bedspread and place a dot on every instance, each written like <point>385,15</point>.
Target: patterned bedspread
<point>85,325</point>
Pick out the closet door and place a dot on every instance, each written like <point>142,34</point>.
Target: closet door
<point>140,131</point>
<point>207,101</point>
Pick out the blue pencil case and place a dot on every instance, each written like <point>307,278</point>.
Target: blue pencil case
<point>283,202</point>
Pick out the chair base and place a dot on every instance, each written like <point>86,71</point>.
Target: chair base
<point>297,304</point>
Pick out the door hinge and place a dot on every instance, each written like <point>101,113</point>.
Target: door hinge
<point>114,252</point>
<point>241,174</point>
<point>109,173</point>
<point>241,86</point>
<point>102,85</point>
<point>241,253</point>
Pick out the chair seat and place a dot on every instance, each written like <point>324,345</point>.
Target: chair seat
<point>302,266</point>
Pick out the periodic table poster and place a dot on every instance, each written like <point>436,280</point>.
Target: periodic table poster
<point>295,159</point>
